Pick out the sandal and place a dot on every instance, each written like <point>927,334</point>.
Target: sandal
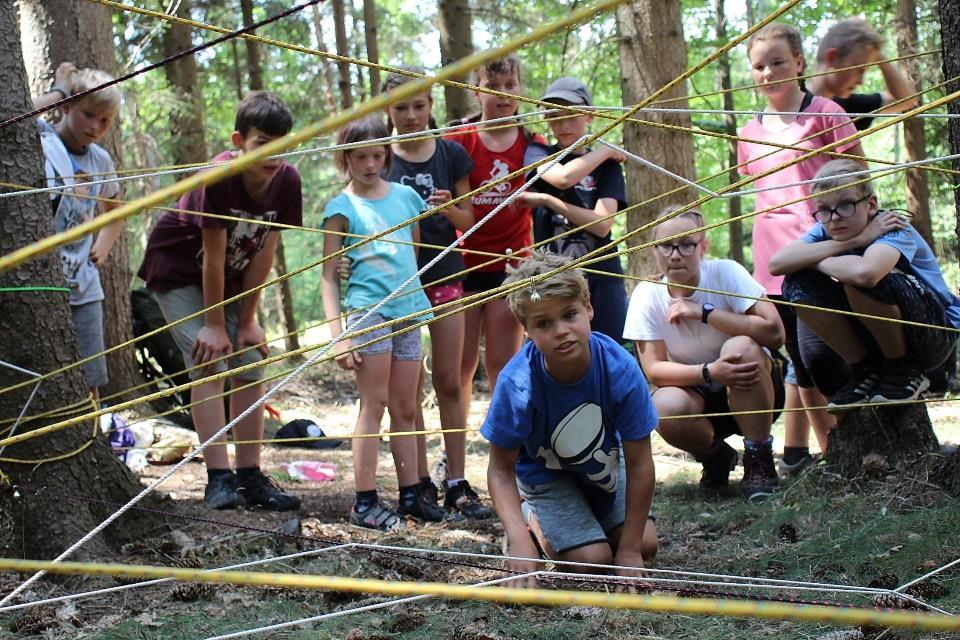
<point>379,517</point>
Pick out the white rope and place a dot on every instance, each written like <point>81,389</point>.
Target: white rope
<point>292,375</point>
<point>346,612</point>
<point>148,583</point>
<point>925,576</point>
<point>748,112</point>
<point>518,118</point>
<point>26,406</point>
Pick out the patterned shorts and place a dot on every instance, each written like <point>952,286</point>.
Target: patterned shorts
<point>443,293</point>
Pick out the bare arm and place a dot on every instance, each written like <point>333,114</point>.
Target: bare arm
<point>255,275</point>
<point>212,341</point>
<point>899,87</point>
<point>564,176</point>
<point>460,215</point>
<point>600,218</point>
<point>638,460</point>
<point>502,484</point>
<point>330,280</point>
<point>862,271</point>
<point>106,237</point>
<point>63,80</point>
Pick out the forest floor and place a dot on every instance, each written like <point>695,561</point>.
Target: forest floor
<point>819,528</point>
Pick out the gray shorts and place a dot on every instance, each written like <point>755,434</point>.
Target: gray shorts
<point>566,516</point>
<point>88,323</point>
<point>180,303</point>
<point>402,346</point>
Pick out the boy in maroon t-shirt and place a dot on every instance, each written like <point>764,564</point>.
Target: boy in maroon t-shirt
<point>193,262</point>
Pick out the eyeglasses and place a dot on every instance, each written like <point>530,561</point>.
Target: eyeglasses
<point>685,249</point>
<point>843,210</point>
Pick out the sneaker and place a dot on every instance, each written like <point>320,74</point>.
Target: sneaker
<point>717,463</point>
<point>900,384</point>
<point>423,507</point>
<point>223,492</point>
<point>794,468</point>
<point>260,490</point>
<point>857,390</point>
<point>379,517</point>
<point>461,497</point>
<point>760,480</point>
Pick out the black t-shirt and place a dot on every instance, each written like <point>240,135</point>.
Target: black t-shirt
<point>861,103</point>
<point>448,164</point>
<point>606,181</point>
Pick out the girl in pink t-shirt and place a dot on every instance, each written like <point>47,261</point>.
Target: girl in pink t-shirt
<point>776,59</point>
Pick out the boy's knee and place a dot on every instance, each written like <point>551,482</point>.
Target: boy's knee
<point>671,401</point>
<point>747,347</point>
<point>597,553</point>
<point>808,286</point>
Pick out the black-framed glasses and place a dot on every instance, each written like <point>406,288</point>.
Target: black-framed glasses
<point>823,215</point>
<point>685,249</point>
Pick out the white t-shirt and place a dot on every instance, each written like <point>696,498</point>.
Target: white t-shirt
<point>691,341</point>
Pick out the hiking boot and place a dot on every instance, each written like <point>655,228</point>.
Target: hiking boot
<point>222,492</point>
<point>461,497</point>
<point>857,390</point>
<point>760,480</point>
<point>260,490</point>
<point>423,506</point>
<point>717,463</point>
<point>430,492</point>
<point>899,384</point>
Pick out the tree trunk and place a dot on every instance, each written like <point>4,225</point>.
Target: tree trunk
<point>370,37</point>
<point>652,53</point>
<point>43,527</point>
<point>254,66</point>
<point>186,119</point>
<point>950,37</point>
<point>356,39</point>
<point>287,317</point>
<point>947,471</point>
<point>327,69</point>
<point>456,42</point>
<point>881,439</point>
<point>918,191</point>
<point>237,78</point>
<point>734,229</point>
<point>343,49</point>
<point>55,31</point>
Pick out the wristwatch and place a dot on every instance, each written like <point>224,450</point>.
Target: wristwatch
<point>705,372</point>
<point>707,310</point>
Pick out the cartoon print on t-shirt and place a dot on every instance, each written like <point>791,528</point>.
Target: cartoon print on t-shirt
<point>245,238</point>
<point>587,183</point>
<point>578,441</point>
<point>422,183</point>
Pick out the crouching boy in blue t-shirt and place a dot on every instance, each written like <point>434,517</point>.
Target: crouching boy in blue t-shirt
<point>564,408</point>
<point>860,258</point>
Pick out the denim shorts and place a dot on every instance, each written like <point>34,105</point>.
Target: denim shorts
<point>88,323</point>
<point>565,511</point>
<point>183,301</point>
<point>402,346</point>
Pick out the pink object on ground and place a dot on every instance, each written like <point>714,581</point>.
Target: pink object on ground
<point>310,470</point>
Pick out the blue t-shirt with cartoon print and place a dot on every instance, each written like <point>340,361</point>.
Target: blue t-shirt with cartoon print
<point>571,428</point>
<point>916,258</point>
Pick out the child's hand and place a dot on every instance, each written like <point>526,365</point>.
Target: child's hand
<point>252,334</point>
<point>348,360</point>
<point>684,309</point>
<point>630,565</point>
<point>211,343</point>
<point>438,197</point>
<point>519,549</point>
<point>63,76</point>
<point>882,223</point>
<point>531,199</point>
<point>731,371</point>
<point>344,268</point>
<point>615,154</point>
<point>98,255</point>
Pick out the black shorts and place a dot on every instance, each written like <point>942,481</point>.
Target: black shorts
<point>483,281</point>
<point>715,401</point>
<point>609,300</point>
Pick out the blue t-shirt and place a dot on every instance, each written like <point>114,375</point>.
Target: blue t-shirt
<point>571,429</point>
<point>380,267</point>
<point>605,181</point>
<point>916,258</point>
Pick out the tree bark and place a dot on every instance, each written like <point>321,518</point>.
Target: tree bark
<point>734,229</point>
<point>287,315</point>
<point>652,53</point>
<point>950,38</point>
<point>326,68</point>
<point>43,527</point>
<point>55,31</point>
<point>186,119</point>
<point>370,37</point>
<point>914,138</point>
<point>254,66</point>
<point>343,49</point>
<point>881,439</point>
<point>456,42</point>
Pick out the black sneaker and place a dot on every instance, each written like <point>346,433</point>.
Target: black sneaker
<point>717,463</point>
<point>900,384</point>
<point>260,490</point>
<point>795,467</point>
<point>760,480</point>
<point>424,505</point>
<point>222,492</point>
<point>461,497</point>
<point>857,390</point>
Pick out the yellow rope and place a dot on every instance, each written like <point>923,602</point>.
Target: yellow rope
<point>919,621</point>
<point>62,456</point>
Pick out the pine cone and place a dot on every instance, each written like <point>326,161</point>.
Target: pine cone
<point>893,601</point>
<point>189,562</point>
<point>34,621</point>
<point>191,591</point>
<point>850,634</point>
<point>927,590</point>
<point>884,581</point>
<point>787,533</point>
